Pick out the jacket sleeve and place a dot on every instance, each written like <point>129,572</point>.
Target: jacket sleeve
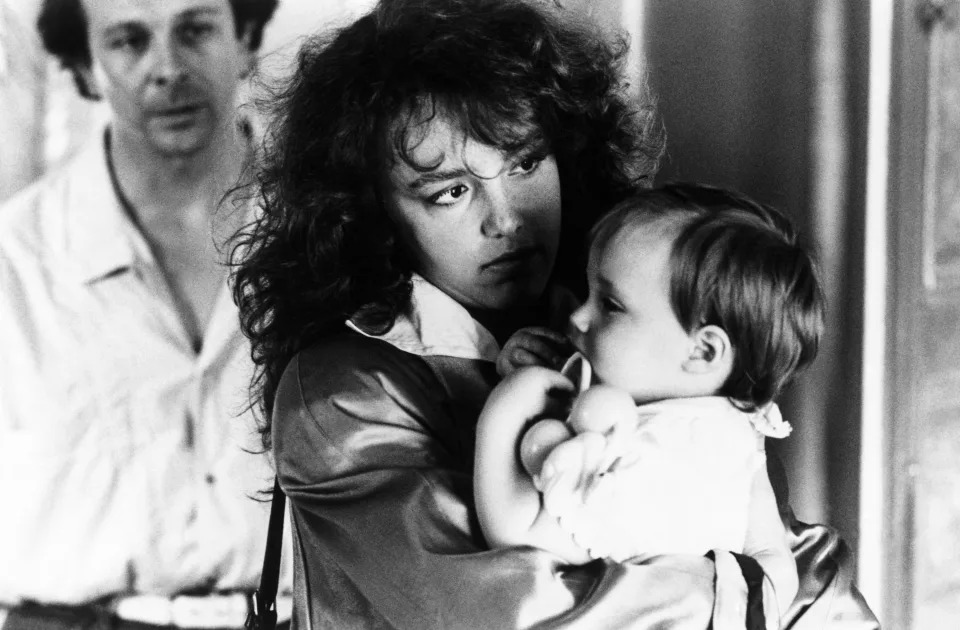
<point>827,598</point>
<point>381,499</point>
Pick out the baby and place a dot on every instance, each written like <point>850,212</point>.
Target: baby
<point>701,307</point>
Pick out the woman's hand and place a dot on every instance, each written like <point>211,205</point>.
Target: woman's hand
<point>534,345</point>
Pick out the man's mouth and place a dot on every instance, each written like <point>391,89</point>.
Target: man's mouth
<point>178,110</point>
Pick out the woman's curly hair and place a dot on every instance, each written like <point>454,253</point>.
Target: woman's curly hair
<point>323,249</point>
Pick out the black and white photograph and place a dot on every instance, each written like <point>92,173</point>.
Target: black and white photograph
<point>479,314</point>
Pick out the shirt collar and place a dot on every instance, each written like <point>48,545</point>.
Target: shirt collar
<point>101,238</point>
<point>435,324</point>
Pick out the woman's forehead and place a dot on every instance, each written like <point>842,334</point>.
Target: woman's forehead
<point>427,137</point>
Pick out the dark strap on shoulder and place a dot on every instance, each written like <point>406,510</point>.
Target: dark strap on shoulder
<point>263,605</point>
<point>753,576</point>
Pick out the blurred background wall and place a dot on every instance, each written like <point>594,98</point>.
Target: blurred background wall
<point>771,98</point>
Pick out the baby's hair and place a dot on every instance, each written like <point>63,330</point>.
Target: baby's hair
<point>736,264</point>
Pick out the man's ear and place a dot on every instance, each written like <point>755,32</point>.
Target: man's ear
<point>710,352</point>
<point>86,81</point>
<point>245,50</point>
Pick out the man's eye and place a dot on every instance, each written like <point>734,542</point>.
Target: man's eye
<point>134,42</point>
<point>449,196</point>
<point>196,31</point>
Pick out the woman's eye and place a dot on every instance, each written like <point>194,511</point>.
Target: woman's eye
<point>527,165</point>
<point>449,196</point>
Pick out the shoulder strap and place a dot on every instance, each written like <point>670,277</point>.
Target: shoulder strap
<point>263,608</point>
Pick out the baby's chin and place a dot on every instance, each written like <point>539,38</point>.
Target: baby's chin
<point>644,397</point>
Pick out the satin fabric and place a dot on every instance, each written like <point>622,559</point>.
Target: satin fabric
<point>374,448</point>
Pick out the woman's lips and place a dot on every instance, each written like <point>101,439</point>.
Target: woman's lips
<point>512,259</point>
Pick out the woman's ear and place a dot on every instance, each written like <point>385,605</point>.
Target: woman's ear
<point>710,352</point>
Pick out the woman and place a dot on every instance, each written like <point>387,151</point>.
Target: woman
<point>428,180</point>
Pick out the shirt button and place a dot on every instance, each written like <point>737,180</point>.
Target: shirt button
<point>211,479</point>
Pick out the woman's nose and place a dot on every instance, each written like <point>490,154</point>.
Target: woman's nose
<point>504,215</point>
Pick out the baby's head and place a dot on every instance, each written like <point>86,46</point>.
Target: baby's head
<point>697,291</point>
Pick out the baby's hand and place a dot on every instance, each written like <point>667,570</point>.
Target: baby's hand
<point>539,441</point>
<point>526,395</point>
<point>605,422</point>
<point>534,345</point>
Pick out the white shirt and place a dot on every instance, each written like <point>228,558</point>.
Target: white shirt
<point>436,324</point>
<point>122,456</point>
<point>682,483</point>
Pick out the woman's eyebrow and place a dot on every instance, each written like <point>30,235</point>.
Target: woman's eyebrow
<point>431,177</point>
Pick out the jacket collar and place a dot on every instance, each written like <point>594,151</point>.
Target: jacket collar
<point>435,324</point>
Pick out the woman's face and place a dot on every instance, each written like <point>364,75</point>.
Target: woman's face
<point>483,226</point>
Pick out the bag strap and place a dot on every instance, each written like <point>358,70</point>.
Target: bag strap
<point>263,608</point>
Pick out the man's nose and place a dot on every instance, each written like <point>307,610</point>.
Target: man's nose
<point>168,66</point>
<point>503,213</point>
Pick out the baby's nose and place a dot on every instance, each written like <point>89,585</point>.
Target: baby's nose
<point>578,323</point>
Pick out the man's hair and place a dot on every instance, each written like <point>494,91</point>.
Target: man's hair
<point>509,72</point>
<point>63,29</point>
<point>736,264</point>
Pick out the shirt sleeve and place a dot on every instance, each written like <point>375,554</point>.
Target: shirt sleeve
<point>381,500</point>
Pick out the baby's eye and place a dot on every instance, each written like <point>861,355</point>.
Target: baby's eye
<point>609,305</point>
<point>449,196</point>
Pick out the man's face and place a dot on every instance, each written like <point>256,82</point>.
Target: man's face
<point>169,69</point>
<point>483,226</point>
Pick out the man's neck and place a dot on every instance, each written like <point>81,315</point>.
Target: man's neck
<point>161,187</point>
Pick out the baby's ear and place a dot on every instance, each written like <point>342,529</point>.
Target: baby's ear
<point>710,352</point>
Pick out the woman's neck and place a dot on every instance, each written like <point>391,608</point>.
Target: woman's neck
<point>503,323</point>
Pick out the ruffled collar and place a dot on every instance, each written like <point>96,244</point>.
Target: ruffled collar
<point>767,420</point>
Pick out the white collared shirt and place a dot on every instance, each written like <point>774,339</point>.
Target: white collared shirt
<point>436,324</point>
<point>122,456</point>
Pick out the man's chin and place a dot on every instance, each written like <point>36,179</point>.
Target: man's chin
<point>182,144</point>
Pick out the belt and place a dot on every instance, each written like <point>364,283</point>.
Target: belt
<point>199,612</point>
<point>215,610</point>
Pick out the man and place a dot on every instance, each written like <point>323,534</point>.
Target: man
<point>123,424</point>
